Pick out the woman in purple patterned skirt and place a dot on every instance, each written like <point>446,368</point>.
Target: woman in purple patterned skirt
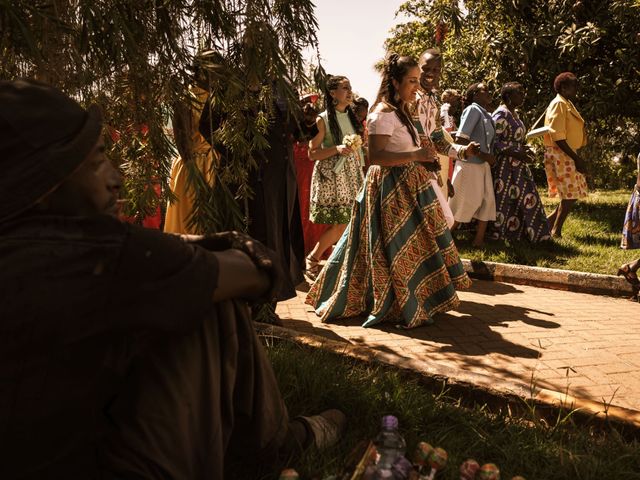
<point>631,237</point>
<point>631,228</point>
<point>519,211</point>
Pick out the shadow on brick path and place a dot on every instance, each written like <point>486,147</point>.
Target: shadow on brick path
<point>584,345</point>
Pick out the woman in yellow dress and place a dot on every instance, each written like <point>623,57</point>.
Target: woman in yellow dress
<point>196,156</point>
<point>564,167</point>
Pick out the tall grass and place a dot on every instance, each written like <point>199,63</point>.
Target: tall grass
<point>312,380</point>
<point>590,243</point>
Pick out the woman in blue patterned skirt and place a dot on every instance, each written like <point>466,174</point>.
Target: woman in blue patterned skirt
<point>631,237</point>
<point>519,211</point>
<point>396,261</point>
<point>631,227</point>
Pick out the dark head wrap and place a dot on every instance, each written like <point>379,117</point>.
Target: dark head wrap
<point>44,137</point>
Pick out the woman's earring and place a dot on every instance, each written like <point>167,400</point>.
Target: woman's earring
<point>334,102</point>
<point>396,97</point>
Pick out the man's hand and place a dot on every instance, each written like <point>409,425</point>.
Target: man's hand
<point>239,278</point>
<point>263,258</point>
<point>450,190</point>
<point>216,242</point>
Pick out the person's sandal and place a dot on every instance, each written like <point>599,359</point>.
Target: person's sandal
<point>325,429</point>
<point>312,267</point>
<point>629,276</point>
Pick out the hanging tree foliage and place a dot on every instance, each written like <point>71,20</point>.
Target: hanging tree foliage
<point>531,42</point>
<point>136,59</point>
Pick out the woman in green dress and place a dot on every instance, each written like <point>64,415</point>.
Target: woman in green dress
<point>337,173</point>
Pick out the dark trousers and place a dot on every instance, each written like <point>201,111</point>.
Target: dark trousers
<point>189,399</point>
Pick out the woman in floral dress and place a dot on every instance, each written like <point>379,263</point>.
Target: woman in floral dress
<point>564,166</point>
<point>337,173</point>
<point>519,211</point>
<point>396,261</point>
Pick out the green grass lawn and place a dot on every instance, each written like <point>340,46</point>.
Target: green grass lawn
<point>312,380</point>
<point>590,243</point>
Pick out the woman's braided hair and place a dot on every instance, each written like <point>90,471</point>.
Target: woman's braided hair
<point>396,68</point>
<point>333,82</point>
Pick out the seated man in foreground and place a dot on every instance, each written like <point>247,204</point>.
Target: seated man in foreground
<point>125,353</point>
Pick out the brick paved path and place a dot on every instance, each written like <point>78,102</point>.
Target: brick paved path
<point>584,345</point>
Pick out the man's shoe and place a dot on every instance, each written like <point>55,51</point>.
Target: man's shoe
<point>326,429</point>
<point>266,313</point>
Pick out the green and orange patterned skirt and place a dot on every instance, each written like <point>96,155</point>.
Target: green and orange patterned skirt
<point>396,261</point>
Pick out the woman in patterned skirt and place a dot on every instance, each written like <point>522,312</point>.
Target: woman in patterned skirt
<point>519,211</point>
<point>396,261</point>
<point>631,237</point>
<point>472,181</point>
<point>631,228</point>
<point>565,168</point>
<point>337,173</point>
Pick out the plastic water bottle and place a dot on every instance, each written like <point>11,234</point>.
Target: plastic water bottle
<point>390,445</point>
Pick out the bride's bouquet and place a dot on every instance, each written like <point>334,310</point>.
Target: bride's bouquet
<point>354,142</point>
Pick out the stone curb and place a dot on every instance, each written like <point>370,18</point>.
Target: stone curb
<point>553,278</point>
<point>481,386</point>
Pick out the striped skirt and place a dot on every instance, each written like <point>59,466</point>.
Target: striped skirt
<point>396,261</point>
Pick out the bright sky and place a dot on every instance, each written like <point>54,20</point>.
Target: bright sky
<point>351,35</point>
